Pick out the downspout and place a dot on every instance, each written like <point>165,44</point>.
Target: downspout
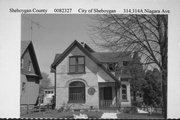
<point>116,94</point>
<point>55,87</point>
<point>53,70</point>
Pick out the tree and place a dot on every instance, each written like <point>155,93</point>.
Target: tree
<point>146,34</point>
<point>45,82</point>
<point>152,89</point>
<point>137,72</point>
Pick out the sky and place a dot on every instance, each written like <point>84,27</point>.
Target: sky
<point>52,34</point>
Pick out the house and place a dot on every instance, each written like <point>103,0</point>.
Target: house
<point>48,94</point>
<point>87,79</point>
<point>30,75</point>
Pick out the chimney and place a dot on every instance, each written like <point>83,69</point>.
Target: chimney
<point>83,44</point>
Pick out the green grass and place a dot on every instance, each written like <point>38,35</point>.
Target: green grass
<point>139,116</point>
<point>55,114</point>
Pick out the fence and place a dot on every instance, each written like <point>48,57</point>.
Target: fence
<point>29,108</point>
<point>108,104</point>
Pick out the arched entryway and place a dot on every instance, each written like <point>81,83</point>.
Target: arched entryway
<point>77,92</point>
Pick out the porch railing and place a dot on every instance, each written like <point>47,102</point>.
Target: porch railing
<point>106,104</point>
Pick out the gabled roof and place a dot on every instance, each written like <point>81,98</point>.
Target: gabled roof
<point>24,46</point>
<point>27,45</point>
<point>59,58</point>
<point>108,57</point>
<point>105,57</point>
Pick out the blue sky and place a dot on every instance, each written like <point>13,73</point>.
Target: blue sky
<point>52,34</point>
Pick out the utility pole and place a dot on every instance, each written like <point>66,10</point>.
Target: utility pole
<point>31,26</point>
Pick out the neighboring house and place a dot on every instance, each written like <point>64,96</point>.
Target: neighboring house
<point>30,75</point>
<point>88,79</point>
<point>48,94</point>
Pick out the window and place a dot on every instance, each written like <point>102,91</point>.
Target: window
<point>77,92</point>
<point>22,63</point>
<point>29,65</point>
<point>23,86</point>
<point>76,64</point>
<point>125,63</point>
<point>124,92</point>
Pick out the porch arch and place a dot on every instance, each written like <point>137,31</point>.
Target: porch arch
<point>76,80</point>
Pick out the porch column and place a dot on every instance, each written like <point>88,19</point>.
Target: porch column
<point>118,95</point>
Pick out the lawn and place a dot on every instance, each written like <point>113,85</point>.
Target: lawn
<point>90,114</point>
<point>139,116</point>
<point>56,114</point>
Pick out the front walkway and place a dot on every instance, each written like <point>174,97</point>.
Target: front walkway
<point>109,116</point>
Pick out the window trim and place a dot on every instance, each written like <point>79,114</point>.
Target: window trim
<point>76,65</point>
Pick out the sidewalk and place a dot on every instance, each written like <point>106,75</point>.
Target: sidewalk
<point>109,116</point>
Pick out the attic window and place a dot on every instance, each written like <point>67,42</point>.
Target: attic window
<point>29,65</point>
<point>76,64</point>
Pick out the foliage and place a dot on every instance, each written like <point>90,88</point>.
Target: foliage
<point>137,72</point>
<point>152,88</point>
<point>136,104</point>
<point>65,108</point>
<point>130,110</point>
<point>146,34</point>
<point>45,82</point>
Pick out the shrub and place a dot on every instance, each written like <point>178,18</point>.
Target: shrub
<point>64,108</point>
<point>136,104</point>
<point>129,110</point>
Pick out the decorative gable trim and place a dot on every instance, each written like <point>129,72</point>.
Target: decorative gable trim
<point>27,45</point>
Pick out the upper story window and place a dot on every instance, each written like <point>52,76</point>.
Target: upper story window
<point>125,63</point>
<point>124,92</point>
<point>76,64</point>
<point>29,65</point>
<point>22,63</point>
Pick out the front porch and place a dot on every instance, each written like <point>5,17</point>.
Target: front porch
<point>107,96</point>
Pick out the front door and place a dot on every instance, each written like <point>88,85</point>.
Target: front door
<point>107,93</point>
